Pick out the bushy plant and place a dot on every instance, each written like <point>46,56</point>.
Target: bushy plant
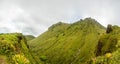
<point>20,59</point>
<point>6,48</point>
<point>43,58</point>
<point>108,58</point>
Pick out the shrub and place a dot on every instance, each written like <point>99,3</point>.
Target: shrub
<point>43,58</point>
<point>20,59</point>
<point>6,48</point>
<point>108,55</point>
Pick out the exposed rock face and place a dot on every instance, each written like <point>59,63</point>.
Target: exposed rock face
<point>108,42</point>
<point>109,28</point>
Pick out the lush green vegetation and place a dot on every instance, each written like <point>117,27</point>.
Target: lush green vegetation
<point>83,42</point>
<point>108,58</point>
<point>14,49</point>
<point>108,48</point>
<point>68,43</point>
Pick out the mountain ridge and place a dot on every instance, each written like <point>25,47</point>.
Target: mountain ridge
<point>68,40</point>
<point>84,42</point>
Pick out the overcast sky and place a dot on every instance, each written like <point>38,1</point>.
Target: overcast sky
<point>35,16</point>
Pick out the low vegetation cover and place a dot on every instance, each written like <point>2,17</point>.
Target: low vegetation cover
<point>83,42</point>
<point>68,43</point>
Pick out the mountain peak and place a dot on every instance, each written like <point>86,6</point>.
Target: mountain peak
<point>68,41</point>
<point>88,22</point>
<point>59,24</point>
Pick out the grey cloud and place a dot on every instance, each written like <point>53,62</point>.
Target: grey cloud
<point>4,30</point>
<point>35,16</point>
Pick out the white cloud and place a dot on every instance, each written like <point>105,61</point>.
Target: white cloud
<point>35,16</point>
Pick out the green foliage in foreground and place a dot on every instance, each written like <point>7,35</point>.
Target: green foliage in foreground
<point>108,58</point>
<point>14,48</point>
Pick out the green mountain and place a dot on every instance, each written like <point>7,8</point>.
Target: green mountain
<point>14,49</point>
<point>83,42</point>
<point>68,43</point>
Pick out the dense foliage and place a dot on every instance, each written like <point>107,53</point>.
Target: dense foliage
<point>14,48</point>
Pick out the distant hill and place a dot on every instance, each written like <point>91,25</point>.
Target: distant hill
<point>29,37</point>
<point>68,43</point>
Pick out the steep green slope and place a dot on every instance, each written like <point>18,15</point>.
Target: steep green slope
<point>14,49</point>
<point>108,48</point>
<point>52,33</point>
<point>68,43</point>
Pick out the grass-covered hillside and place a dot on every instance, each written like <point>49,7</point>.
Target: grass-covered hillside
<point>68,43</point>
<point>83,42</point>
<point>29,37</point>
<point>14,49</point>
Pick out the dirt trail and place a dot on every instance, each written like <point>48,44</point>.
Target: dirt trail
<point>2,61</point>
